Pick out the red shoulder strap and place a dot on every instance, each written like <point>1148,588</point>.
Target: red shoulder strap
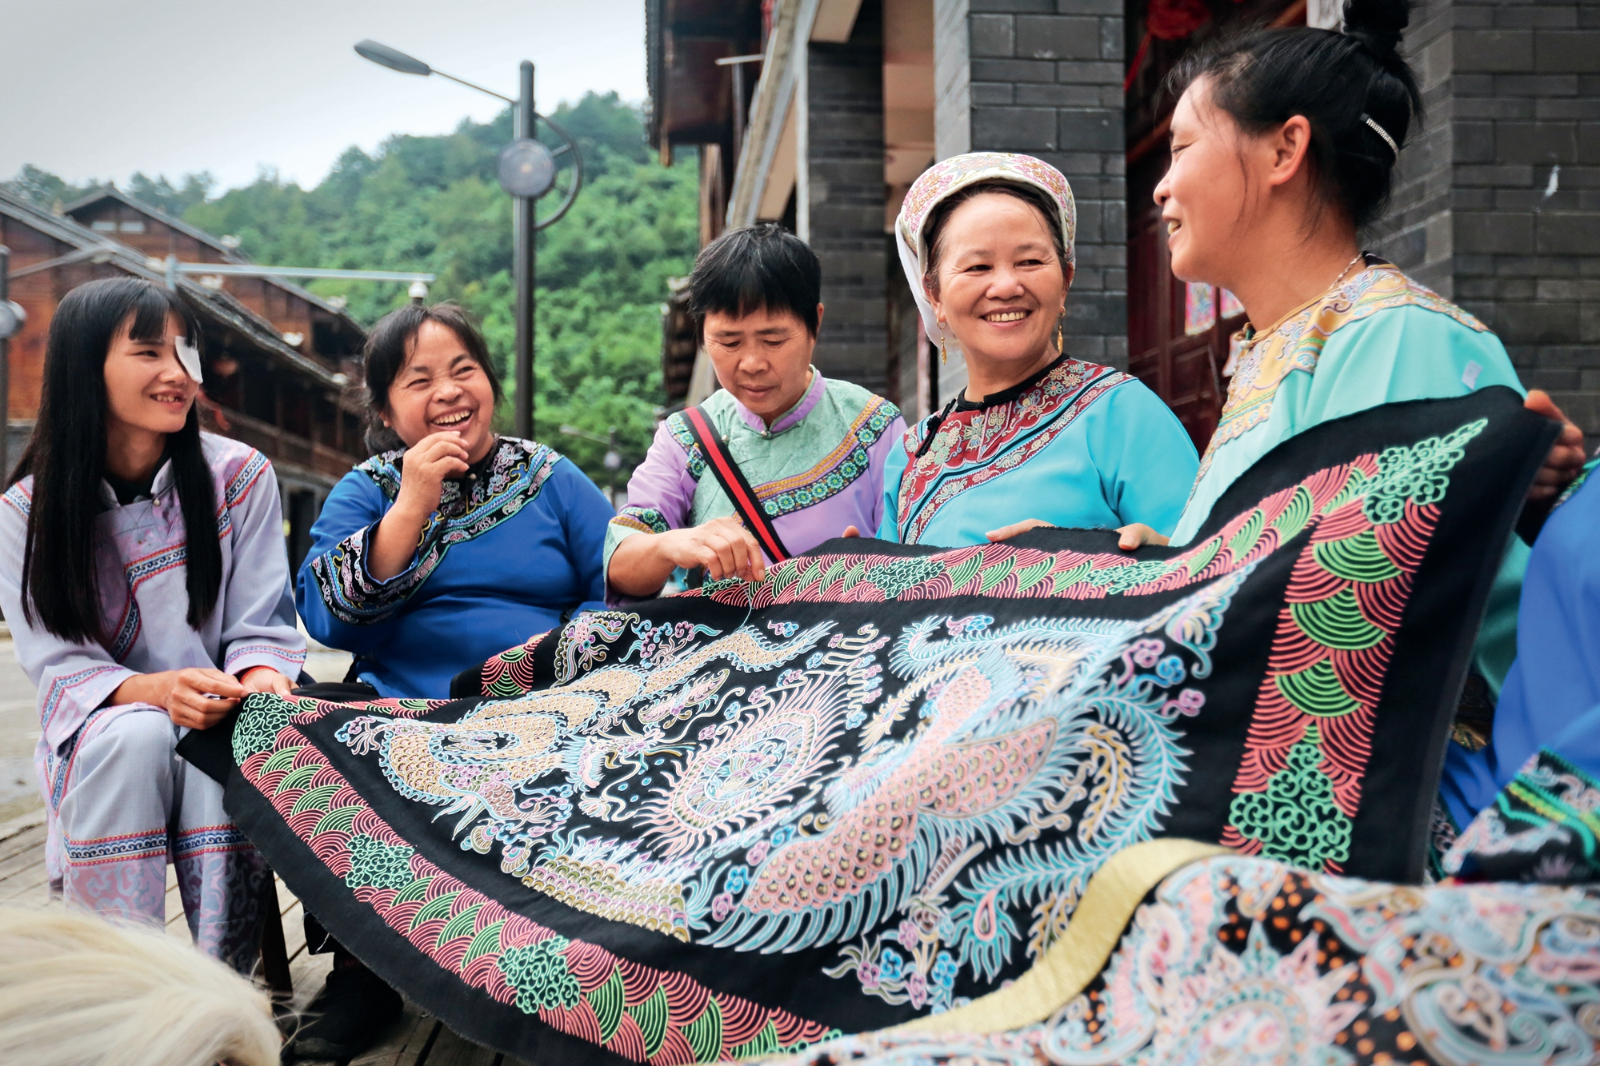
<point>732,480</point>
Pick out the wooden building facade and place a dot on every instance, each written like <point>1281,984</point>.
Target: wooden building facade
<point>279,361</point>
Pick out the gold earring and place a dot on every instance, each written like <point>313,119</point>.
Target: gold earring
<point>944,356</point>
<point>1061,347</point>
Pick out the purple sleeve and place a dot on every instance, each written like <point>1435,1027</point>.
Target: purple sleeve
<point>257,604</point>
<point>660,494</point>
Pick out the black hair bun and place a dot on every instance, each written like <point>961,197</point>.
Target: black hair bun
<point>1378,24</point>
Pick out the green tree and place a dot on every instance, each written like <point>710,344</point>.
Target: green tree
<point>44,188</point>
<point>173,199</point>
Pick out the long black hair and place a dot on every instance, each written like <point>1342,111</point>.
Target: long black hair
<point>67,458</point>
<point>392,341</point>
<point>1337,81</point>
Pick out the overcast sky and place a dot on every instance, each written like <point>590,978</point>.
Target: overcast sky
<point>102,88</point>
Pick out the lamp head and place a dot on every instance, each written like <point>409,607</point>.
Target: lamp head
<point>12,318</point>
<point>526,168</point>
<point>385,56</point>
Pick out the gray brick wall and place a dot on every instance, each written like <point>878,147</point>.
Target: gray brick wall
<point>1045,77</point>
<point>845,197</point>
<point>1481,212</point>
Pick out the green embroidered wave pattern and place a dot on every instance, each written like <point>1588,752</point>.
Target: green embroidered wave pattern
<point>1299,784</point>
<point>667,1018</point>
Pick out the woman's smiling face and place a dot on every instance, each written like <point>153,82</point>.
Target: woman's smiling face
<point>1001,285</point>
<point>442,389</point>
<point>1206,197</point>
<point>146,386</point>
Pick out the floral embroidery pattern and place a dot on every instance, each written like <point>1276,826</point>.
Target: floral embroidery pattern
<point>873,812</point>
<point>1299,785</point>
<point>972,447</point>
<point>643,519</point>
<point>1253,963</point>
<point>1266,360</point>
<point>1543,826</point>
<point>466,510</point>
<point>642,1014</point>
<point>1018,573</point>
<point>737,848</point>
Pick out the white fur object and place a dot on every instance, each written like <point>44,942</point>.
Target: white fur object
<point>75,989</point>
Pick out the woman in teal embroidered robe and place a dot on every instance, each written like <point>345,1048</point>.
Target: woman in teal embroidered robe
<point>1036,437</point>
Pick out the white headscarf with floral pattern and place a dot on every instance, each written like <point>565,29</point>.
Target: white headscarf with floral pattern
<point>950,176</point>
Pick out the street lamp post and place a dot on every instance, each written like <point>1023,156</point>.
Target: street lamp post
<point>527,170</point>
<point>524,264</point>
<point>11,319</point>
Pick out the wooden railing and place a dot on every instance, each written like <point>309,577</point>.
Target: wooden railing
<point>280,445</point>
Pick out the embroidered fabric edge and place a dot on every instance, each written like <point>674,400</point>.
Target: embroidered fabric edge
<point>1114,892</point>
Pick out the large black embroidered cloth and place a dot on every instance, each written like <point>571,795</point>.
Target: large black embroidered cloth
<point>875,785</point>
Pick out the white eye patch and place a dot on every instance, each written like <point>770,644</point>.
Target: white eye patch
<point>189,356</point>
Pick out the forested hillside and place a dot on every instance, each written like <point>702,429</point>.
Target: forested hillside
<point>432,203</point>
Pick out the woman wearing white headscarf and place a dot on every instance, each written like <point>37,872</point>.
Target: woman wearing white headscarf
<point>1037,437</point>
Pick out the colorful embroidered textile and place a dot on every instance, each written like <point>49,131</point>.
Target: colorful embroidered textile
<point>950,176</point>
<point>1078,445</point>
<point>1378,338</point>
<point>817,470</point>
<point>876,785</point>
<point>119,801</point>
<point>1551,699</point>
<point>1544,825</point>
<point>510,550</point>
<point>1253,963</point>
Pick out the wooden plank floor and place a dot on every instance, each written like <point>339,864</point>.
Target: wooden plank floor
<point>417,1040</point>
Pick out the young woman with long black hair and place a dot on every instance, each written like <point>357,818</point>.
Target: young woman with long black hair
<point>145,581</point>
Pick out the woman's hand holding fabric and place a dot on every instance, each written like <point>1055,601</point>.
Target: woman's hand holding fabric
<point>197,697</point>
<point>1566,456</point>
<point>642,563</point>
<point>265,679</point>
<point>1137,535</point>
<point>1007,532</point>
<point>423,472</point>
<point>723,546</point>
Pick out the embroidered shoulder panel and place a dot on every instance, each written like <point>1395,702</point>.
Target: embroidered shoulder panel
<point>972,447</point>
<point>1297,344</point>
<point>829,476</point>
<point>20,496</point>
<point>679,428</point>
<point>514,479</point>
<point>834,472</point>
